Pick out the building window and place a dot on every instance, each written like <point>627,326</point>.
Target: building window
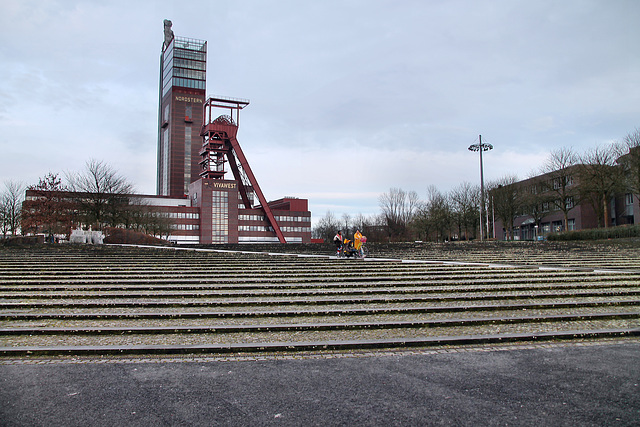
<point>187,158</point>
<point>165,162</point>
<point>251,217</point>
<point>628,199</point>
<point>557,226</point>
<point>261,228</point>
<point>220,217</point>
<point>572,224</point>
<point>568,202</point>
<point>546,228</point>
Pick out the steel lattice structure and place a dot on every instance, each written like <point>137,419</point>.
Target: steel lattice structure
<point>220,146</point>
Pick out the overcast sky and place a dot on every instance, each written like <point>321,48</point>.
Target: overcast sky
<point>348,98</point>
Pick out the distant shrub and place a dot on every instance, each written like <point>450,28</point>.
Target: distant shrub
<point>619,232</point>
<point>22,240</point>
<point>123,236</point>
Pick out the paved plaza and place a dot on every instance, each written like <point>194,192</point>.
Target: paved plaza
<point>594,384</point>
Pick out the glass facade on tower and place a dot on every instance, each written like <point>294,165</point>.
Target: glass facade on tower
<point>183,69</point>
<point>184,64</point>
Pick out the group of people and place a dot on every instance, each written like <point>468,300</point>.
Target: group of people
<point>350,247</point>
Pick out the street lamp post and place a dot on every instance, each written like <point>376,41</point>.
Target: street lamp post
<point>480,147</point>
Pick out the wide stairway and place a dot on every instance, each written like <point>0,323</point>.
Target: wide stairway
<point>109,300</point>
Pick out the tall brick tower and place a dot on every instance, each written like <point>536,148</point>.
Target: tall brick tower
<point>183,69</point>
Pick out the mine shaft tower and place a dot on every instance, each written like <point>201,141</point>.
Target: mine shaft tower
<point>220,146</point>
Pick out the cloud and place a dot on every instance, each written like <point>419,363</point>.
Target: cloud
<point>348,99</point>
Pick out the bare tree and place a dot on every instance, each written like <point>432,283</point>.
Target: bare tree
<point>398,208</point>
<point>629,159</point>
<point>327,227</point>
<point>465,208</point>
<point>600,179</point>
<point>11,206</point>
<point>152,221</point>
<point>439,213</point>
<point>4,223</point>
<point>361,222</point>
<point>560,167</point>
<point>413,204</point>
<point>346,224</point>
<point>105,193</point>
<point>506,201</point>
<point>420,225</point>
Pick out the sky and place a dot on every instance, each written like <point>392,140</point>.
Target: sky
<point>348,98</point>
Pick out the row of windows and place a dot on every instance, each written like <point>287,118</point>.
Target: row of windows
<point>270,229</point>
<point>185,227</point>
<point>255,228</point>
<point>186,63</point>
<point>293,218</point>
<point>178,215</point>
<point>568,202</point>
<point>221,202</point>
<point>556,226</point>
<point>278,218</point>
<point>556,184</point>
<point>192,74</point>
<point>549,206</point>
<point>193,84</point>
<point>296,229</point>
<point>546,228</point>
<point>251,217</point>
<point>248,239</point>
<point>190,54</point>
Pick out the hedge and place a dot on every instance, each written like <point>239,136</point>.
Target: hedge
<point>619,232</point>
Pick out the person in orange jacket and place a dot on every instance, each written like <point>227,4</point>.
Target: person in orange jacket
<point>357,241</point>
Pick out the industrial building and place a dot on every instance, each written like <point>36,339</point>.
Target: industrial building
<point>198,149</point>
<point>206,190</point>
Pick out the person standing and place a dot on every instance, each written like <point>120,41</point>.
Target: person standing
<point>357,241</point>
<point>337,240</point>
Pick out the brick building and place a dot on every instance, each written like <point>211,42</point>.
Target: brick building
<point>624,208</point>
<point>197,148</point>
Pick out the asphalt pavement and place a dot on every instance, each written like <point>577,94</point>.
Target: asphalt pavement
<point>548,385</point>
